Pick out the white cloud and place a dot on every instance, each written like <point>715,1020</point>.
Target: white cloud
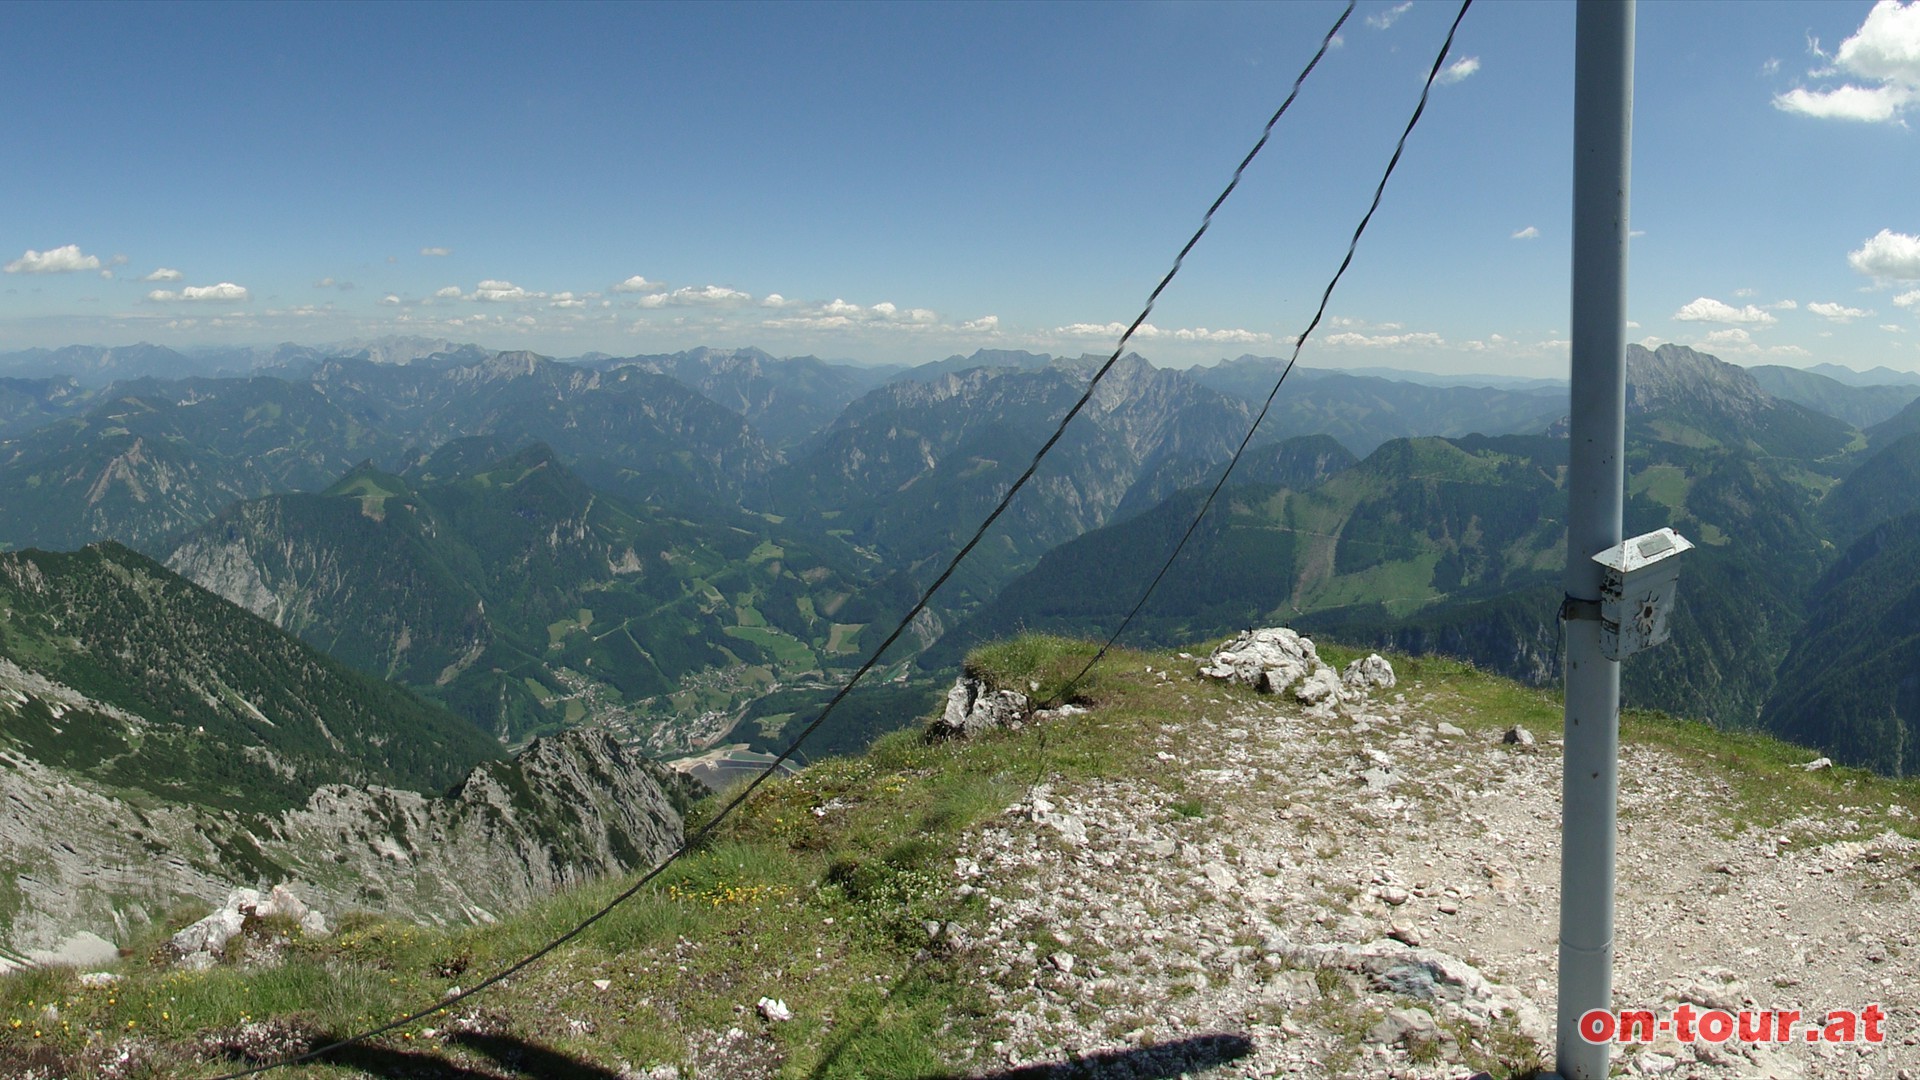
<point>1908,299</point>
<point>985,324</point>
<point>451,292</point>
<point>567,300</point>
<point>1527,233</point>
<point>1893,328</point>
<point>164,274</point>
<point>1419,339</point>
<point>60,260</point>
<point>1110,331</point>
<point>1771,67</point>
<point>1887,45</point>
<point>1705,309</point>
<point>108,274</point>
<point>1236,336</point>
<point>1779,305</point>
<point>1459,70</point>
<point>503,292</point>
<point>636,283</point>
<point>1886,50</point>
<point>1889,254</point>
<point>1867,105</point>
<point>390,298</point>
<point>1737,342</point>
<point>1390,16</point>
<point>775,300</point>
<point>841,307</point>
<point>1837,312</point>
<point>1149,332</point>
<point>436,251</point>
<point>704,296</point>
<point>331,283</point>
<point>226,290</point>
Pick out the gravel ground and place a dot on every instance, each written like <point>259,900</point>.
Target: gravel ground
<point>1371,890</point>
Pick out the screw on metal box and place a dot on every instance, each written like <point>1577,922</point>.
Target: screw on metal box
<point>1637,591</point>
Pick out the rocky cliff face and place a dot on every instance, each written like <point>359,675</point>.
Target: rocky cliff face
<point>1676,376</point>
<point>570,808</point>
<point>78,856</point>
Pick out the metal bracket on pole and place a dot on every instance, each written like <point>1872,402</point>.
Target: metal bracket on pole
<point>1574,609</point>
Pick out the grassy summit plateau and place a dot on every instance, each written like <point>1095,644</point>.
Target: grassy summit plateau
<point>1186,876</point>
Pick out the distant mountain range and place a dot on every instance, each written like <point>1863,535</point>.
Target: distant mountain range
<point>1455,545</point>
<point>656,541</point>
<point>1860,404</point>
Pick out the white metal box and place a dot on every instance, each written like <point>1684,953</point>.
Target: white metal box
<point>1637,591</point>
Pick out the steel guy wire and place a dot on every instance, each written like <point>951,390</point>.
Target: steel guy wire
<point>1298,344</point>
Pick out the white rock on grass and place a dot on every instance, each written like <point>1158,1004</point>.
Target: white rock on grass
<point>199,943</point>
<point>1318,688</point>
<point>1269,660</point>
<point>972,708</point>
<point>773,1010</point>
<point>1369,673</point>
<point>1409,1027</point>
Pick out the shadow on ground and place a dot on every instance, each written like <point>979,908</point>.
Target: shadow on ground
<point>511,1058</point>
<point>1161,1061</point>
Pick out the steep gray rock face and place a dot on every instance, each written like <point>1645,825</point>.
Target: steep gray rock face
<point>1674,375</point>
<point>570,808</point>
<point>79,857</point>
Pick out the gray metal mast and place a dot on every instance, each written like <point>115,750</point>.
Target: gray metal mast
<point>1602,143</point>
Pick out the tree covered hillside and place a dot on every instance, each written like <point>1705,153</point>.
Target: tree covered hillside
<point>195,700</point>
<point>526,601</point>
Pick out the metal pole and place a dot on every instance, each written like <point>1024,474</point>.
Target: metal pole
<point>1602,141</point>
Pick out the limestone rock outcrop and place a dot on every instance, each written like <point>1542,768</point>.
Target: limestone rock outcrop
<point>569,808</point>
<point>973,708</point>
<point>1276,659</point>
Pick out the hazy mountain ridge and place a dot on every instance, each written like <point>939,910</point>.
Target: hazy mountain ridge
<point>1851,682</point>
<point>910,468</point>
<point>1860,405</point>
<point>1456,545</point>
<point>786,399</point>
<point>26,404</point>
<point>1364,411</point>
<point>152,458</point>
<point>904,471</point>
<point>1885,485</point>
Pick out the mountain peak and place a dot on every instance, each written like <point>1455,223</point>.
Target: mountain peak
<point>1675,375</point>
<point>365,480</point>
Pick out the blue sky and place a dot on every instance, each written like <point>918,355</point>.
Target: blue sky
<point>900,182</point>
